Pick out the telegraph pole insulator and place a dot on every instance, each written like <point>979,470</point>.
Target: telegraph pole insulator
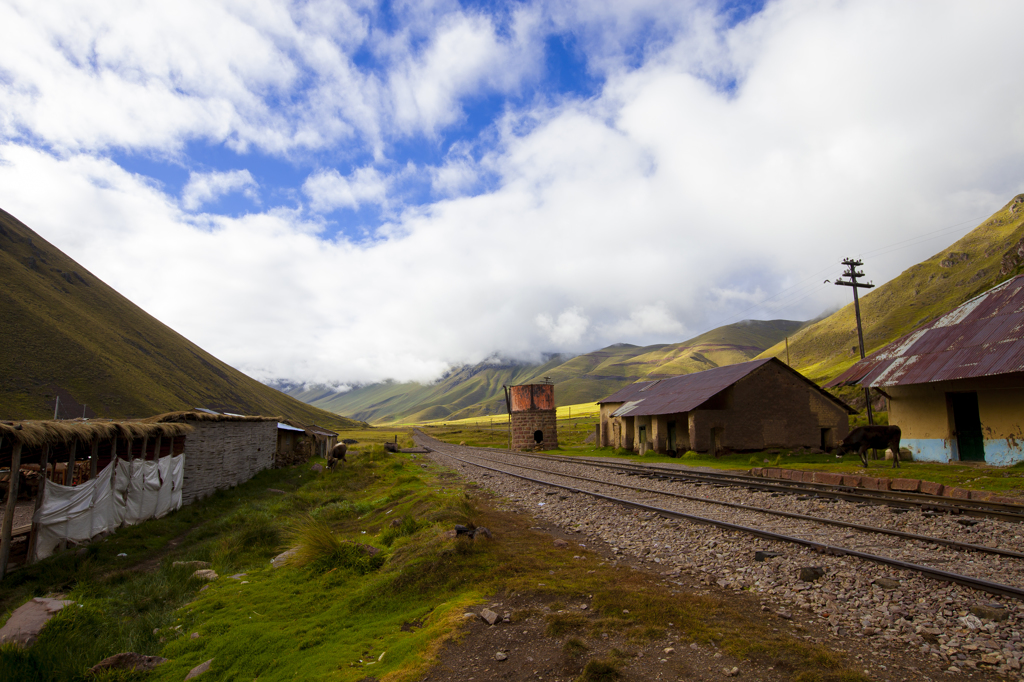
<point>854,275</point>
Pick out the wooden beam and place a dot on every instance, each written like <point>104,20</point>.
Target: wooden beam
<point>94,460</point>
<point>12,503</point>
<point>69,473</point>
<point>43,463</point>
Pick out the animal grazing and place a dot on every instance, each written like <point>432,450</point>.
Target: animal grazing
<point>336,455</point>
<point>863,438</point>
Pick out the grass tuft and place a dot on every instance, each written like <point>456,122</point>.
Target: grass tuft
<point>320,550</point>
<point>597,670</point>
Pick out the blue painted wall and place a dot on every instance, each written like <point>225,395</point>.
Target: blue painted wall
<point>998,451</point>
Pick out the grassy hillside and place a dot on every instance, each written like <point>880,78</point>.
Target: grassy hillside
<point>986,256</point>
<point>477,391</point>
<point>67,333</point>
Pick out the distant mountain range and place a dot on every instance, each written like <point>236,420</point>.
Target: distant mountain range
<point>67,334</point>
<point>476,390</point>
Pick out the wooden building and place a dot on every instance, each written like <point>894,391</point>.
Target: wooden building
<point>956,385</point>
<point>748,406</point>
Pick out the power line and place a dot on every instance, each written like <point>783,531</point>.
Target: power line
<point>811,290</point>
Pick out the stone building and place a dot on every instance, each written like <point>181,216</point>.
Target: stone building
<point>956,385</point>
<point>748,406</point>
<point>532,410</point>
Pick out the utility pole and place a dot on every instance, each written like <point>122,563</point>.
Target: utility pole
<point>853,274</point>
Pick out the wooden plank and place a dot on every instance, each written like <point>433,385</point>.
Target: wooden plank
<point>43,463</point>
<point>12,503</point>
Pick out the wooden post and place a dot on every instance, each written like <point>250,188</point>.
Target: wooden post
<point>69,473</point>
<point>94,459</point>
<point>131,451</point>
<point>145,445</point>
<point>156,449</point>
<point>12,502</point>
<point>43,463</point>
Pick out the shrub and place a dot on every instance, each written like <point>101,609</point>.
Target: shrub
<point>691,454</point>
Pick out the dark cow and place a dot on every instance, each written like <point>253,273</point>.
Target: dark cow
<point>864,438</point>
<point>336,455</point>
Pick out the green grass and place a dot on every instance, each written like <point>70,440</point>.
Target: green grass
<point>340,610</point>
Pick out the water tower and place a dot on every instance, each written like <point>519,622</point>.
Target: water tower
<point>532,417</point>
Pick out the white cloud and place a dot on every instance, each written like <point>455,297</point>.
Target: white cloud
<point>660,207</point>
<point>328,189</point>
<point>205,187</point>
<point>568,330</point>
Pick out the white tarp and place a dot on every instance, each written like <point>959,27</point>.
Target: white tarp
<point>123,494</point>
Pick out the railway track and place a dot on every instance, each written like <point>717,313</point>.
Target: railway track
<point>790,527</point>
<point>892,498</point>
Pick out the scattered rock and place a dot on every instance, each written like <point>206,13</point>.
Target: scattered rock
<point>194,565</point>
<point>731,672</point>
<point>282,558</point>
<point>561,544</point>
<point>784,614</point>
<point>490,616</point>
<point>199,669</point>
<point>205,574</point>
<point>318,468</point>
<point>809,574</point>
<point>128,661</point>
<point>239,576</point>
<point>761,556</point>
<point>886,583</point>
<point>668,650</point>
<point>994,612</point>
<point>501,656</point>
<point>23,627</point>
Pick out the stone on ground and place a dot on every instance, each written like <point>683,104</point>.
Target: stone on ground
<point>23,627</point>
<point>128,661</point>
<point>199,669</point>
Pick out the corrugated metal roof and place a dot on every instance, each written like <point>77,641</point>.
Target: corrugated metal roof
<point>681,393</point>
<point>288,427</point>
<point>982,337</point>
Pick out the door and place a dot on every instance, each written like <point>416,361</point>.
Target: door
<point>967,426</point>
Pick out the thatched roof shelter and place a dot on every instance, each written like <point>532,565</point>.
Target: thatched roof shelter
<point>31,433</point>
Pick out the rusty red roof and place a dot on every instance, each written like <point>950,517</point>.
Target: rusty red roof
<point>982,337</point>
<point>688,391</point>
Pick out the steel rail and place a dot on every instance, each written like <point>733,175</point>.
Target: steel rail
<point>836,550</point>
<point>907,500</point>
<point>792,515</point>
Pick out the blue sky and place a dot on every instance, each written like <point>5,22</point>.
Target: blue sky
<point>501,177</point>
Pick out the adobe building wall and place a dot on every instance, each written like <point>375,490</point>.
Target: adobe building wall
<point>223,454</point>
<point>527,423</point>
<point>768,408</point>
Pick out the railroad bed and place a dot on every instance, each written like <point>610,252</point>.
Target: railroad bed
<point>891,607</point>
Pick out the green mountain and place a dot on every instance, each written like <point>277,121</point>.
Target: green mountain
<point>991,253</point>
<point>67,334</point>
<point>476,390</point>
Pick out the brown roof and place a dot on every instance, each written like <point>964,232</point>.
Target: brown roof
<point>982,337</point>
<point>688,391</point>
